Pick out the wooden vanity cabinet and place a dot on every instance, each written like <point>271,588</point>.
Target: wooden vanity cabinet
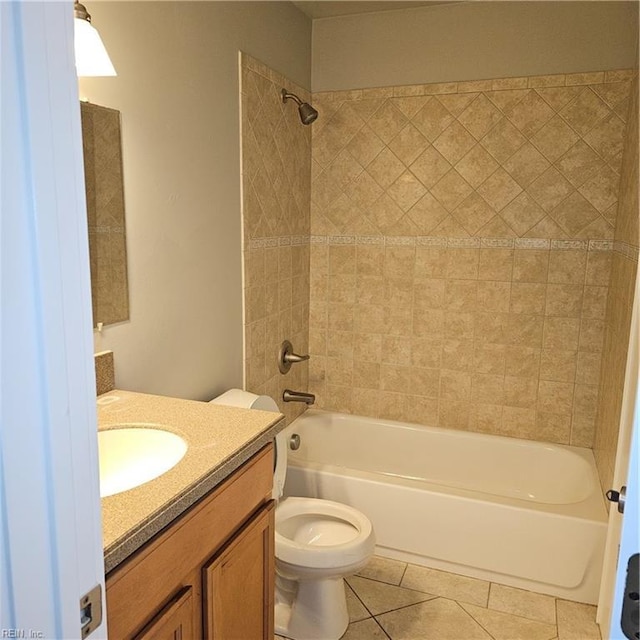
<point>210,573</point>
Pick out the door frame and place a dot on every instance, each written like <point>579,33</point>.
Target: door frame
<point>623,474</point>
<point>50,517</point>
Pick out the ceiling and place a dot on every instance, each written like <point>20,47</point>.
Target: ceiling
<point>332,8</point>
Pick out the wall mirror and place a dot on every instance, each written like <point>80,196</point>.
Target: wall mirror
<point>104,186</point>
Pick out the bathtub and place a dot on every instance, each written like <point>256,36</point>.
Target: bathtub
<point>517,512</point>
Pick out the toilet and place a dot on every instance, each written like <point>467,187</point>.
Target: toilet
<point>317,544</point>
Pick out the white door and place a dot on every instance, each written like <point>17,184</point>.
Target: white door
<point>629,544</point>
<point>50,524</point>
<point>624,475</point>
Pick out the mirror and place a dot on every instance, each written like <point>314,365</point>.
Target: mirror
<point>104,187</point>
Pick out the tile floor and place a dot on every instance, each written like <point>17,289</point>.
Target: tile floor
<point>398,601</point>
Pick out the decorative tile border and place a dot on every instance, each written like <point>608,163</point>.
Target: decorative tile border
<point>476,243</point>
<point>581,245</point>
<point>473,86</point>
<point>281,241</point>
<point>532,243</point>
<point>453,243</point>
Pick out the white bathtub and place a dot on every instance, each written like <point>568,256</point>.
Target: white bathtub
<point>516,512</point>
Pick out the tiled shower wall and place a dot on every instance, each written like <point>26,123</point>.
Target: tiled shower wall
<point>276,152</point>
<point>620,303</point>
<point>461,248</point>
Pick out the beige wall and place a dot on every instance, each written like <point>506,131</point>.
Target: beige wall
<point>620,303</point>
<point>461,251</point>
<point>177,89</point>
<point>276,181</point>
<point>471,41</point>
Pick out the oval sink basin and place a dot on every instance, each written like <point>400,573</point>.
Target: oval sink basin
<point>131,456</point>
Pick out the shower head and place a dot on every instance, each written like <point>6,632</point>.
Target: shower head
<point>307,113</point>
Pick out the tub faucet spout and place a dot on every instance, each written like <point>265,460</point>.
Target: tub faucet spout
<point>298,396</point>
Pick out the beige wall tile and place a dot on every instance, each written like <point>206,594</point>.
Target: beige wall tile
<point>563,300</point>
<point>553,427</point>
<point>522,361</point>
<point>475,325</point>
<point>558,365</point>
<point>520,392</point>
<point>528,298</point>
<point>561,333</point>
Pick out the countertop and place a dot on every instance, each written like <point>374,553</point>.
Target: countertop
<point>220,439</point>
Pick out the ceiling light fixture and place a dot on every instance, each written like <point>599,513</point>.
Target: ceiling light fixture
<point>92,58</point>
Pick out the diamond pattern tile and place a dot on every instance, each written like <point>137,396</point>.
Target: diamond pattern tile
<point>406,190</point>
<point>456,103</point>
<point>387,121</point>
<point>454,142</point>
<point>427,214</point>
<point>555,138</point>
<point>429,167</point>
<point>550,189</point>
<point>408,144</point>
<point>480,116</point>
<point>448,163</point>
<point>410,105</point>
<point>559,97</point>
<point>579,163</point>
<point>476,166</point>
<point>574,214</point>
<point>503,141</point>
<point>507,99</point>
<point>499,190</point>
<point>365,145</point>
<point>584,112</point>
<point>432,119</point>
<point>473,213</point>
<point>530,114</point>
<point>522,213</point>
<point>385,168</point>
<point>607,138</point>
<point>601,190</point>
<point>526,164</point>
<point>451,190</point>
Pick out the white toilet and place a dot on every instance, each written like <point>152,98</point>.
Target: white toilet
<point>318,543</point>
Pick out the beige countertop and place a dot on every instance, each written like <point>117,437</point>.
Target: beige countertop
<point>219,440</point>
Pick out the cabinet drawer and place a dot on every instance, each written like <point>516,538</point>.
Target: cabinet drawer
<point>137,589</point>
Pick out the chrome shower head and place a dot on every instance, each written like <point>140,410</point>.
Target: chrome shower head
<point>307,113</point>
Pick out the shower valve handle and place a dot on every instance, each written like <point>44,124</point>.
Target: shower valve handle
<point>286,357</point>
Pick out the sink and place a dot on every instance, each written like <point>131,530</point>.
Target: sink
<point>131,455</point>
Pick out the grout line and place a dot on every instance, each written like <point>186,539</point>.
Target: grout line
<point>382,628</point>
<point>407,606</point>
<point>406,566</point>
<point>488,595</point>
<point>476,621</point>
<point>360,600</point>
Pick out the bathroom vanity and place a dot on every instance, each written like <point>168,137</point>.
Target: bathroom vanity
<point>190,554</point>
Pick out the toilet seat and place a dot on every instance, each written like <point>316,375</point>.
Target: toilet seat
<point>321,534</point>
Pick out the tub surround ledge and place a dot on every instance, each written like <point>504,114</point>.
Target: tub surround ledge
<point>220,439</point>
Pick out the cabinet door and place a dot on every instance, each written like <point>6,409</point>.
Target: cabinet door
<point>174,622</point>
<point>239,581</point>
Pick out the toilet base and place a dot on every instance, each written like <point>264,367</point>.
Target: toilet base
<point>311,609</point>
